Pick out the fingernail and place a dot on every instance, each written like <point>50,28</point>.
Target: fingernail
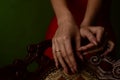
<point>81,49</point>
<point>95,43</point>
<point>57,66</point>
<point>65,70</point>
<point>75,68</point>
<point>81,57</point>
<point>85,53</point>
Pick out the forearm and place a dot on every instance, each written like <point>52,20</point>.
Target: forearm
<point>61,10</point>
<point>93,7</point>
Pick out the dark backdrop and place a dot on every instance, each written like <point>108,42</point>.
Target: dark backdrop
<point>23,22</point>
<point>115,18</point>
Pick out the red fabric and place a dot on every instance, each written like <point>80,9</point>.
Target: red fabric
<point>78,8</point>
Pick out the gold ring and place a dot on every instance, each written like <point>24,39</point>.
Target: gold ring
<point>58,51</point>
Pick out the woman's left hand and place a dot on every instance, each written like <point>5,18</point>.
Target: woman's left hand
<point>94,34</point>
<point>110,47</point>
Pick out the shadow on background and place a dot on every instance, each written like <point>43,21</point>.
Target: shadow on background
<point>23,22</point>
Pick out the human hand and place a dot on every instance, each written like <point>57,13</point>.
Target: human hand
<point>62,47</point>
<point>105,47</point>
<point>94,34</point>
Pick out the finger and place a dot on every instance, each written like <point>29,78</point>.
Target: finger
<point>68,46</point>
<point>86,47</point>
<point>110,48</point>
<point>79,55</point>
<point>62,62</point>
<point>59,56</point>
<point>98,31</point>
<point>64,53</point>
<point>54,54</point>
<point>94,50</point>
<point>77,42</point>
<point>91,37</point>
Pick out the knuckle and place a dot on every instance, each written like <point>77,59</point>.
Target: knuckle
<point>70,54</point>
<point>65,37</point>
<point>58,38</point>
<point>64,56</point>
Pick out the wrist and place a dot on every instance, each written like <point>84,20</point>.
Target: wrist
<point>67,19</point>
<point>85,24</point>
<point>66,14</point>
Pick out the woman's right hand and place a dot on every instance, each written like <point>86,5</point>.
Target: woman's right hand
<point>61,44</point>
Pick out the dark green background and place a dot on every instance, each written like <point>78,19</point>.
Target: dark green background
<point>23,22</point>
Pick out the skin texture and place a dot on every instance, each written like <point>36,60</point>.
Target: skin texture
<point>68,31</point>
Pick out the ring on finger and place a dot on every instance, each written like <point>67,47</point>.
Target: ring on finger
<point>58,51</point>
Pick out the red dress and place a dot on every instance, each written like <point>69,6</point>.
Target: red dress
<point>78,8</point>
